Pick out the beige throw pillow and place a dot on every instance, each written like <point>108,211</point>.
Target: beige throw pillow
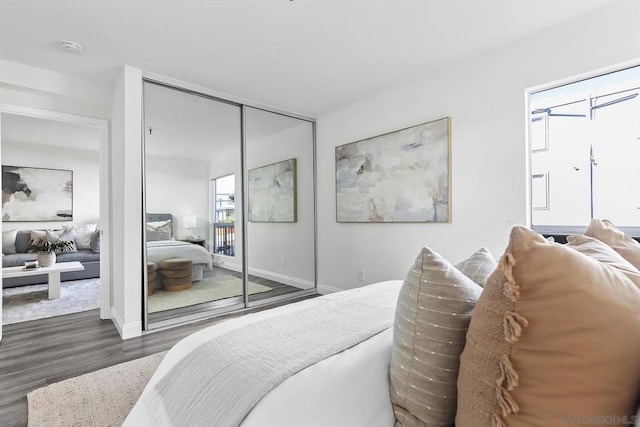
<point>555,337</point>
<point>478,266</point>
<point>606,232</point>
<point>432,315</point>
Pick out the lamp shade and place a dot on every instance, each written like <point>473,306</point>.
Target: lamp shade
<point>189,221</point>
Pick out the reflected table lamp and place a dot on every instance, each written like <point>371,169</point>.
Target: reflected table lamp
<point>189,222</point>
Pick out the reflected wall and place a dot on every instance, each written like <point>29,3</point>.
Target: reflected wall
<point>280,182</point>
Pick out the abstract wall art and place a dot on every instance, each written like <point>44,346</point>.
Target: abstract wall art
<point>272,192</point>
<point>401,176</point>
<point>36,194</point>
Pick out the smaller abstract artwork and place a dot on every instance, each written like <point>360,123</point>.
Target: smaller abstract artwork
<point>272,192</point>
<point>402,176</point>
<point>36,194</point>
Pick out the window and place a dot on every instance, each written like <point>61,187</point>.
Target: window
<point>585,152</point>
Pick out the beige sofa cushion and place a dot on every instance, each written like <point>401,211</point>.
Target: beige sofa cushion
<point>478,266</point>
<point>606,232</point>
<point>555,335</point>
<point>432,316</point>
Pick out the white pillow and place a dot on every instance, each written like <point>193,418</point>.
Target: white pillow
<point>9,241</point>
<point>83,234</point>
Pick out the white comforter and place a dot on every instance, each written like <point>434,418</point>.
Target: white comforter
<point>163,249</point>
<point>350,388</point>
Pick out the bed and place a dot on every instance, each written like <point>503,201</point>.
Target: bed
<point>162,245</point>
<point>351,386</point>
<point>549,335</point>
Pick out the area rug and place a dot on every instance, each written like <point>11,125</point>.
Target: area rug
<point>24,303</point>
<point>206,290</point>
<point>102,398</point>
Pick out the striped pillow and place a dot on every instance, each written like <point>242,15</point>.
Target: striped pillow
<point>432,317</point>
<point>478,267</point>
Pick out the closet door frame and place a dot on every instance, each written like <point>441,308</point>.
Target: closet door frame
<point>242,103</point>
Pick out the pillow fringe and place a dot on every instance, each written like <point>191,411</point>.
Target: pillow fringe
<point>510,289</point>
<point>513,324</point>
<point>497,421</point>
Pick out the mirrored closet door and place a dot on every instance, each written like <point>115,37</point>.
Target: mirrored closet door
<point>280,200</point>
<point>192,154</point>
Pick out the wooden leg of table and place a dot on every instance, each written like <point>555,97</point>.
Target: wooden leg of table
<point>54,285</point>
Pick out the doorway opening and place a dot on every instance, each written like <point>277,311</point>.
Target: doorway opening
<point>55,189</point>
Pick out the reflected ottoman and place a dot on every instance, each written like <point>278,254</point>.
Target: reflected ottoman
<point>151,278</point>
<point>176,273</point>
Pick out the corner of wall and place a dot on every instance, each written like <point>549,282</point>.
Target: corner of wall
<point>126,330</point>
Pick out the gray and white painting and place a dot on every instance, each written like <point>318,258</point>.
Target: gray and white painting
<point>401,176</point>
<point>35,194</point>
<point>272,192</point>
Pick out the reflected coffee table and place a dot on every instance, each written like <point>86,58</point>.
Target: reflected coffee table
<point>53,272</point>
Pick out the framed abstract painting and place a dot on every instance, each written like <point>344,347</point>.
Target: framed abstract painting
<point>272,192</point>
<point>36,194</point>
<point>401,176</point>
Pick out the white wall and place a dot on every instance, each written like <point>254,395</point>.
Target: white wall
<point>86,184</point>
<point>126,207</point>
<point>485,98</point>
<point>179,187</point>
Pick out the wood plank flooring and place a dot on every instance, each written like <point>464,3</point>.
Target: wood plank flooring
<point>40,352</point>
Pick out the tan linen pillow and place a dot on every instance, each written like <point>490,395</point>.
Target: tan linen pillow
<point>432,316</point>
<point>478,266</point>
<point>602,252</point>
<point>555,338</point>
<point>606,232</point>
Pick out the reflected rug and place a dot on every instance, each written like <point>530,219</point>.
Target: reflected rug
<point>206,290</point>
<point>31,302</point>
<point>101,398</point>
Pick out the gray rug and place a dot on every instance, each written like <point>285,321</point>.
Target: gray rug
<point>102,398</point>
<point>206,290</point>
<point>31,302</point>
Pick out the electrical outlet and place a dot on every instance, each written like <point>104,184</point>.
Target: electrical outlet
<point>361,274</point>
<point>283,260</point>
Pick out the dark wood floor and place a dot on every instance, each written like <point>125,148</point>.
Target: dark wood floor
<point>40,352</point>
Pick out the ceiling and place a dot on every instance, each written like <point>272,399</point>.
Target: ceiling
<point>304,56</point>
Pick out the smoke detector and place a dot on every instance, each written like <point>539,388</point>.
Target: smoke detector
<point>71,47</point>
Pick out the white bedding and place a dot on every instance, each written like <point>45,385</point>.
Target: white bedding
<point>350,388</point>
<point>163,249</point>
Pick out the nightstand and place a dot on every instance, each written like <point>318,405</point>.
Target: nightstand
<point>195,241</point>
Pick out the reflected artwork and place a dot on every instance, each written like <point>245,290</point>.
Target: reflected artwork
<point>402,176</point>
<point>272,192</point>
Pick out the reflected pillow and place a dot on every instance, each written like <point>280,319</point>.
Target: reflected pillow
<point>159,230</point>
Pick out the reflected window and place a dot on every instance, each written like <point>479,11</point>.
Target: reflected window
<point>224,215</point>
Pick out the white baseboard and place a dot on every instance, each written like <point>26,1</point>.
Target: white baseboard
<point>276,277</point>
<point>126,331</point>
<point>326,289</point>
